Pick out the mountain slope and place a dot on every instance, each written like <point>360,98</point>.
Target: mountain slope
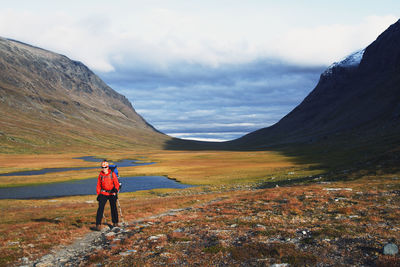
<point>358,98</point>
<point>50,102</point>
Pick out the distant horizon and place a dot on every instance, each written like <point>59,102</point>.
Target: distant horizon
<point>211,71</point>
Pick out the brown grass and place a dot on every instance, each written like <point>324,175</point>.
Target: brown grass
<point>259,228</point>
<point>198,168</point>
<point>31,228</point>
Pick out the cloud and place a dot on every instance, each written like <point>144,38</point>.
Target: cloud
<point>84,39</point>
<point>161,37</point>
<point>211,137</point>
<point>329,43</point>
<point>232,99</point>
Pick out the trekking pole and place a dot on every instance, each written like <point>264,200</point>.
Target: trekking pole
<point>105,219</point>
<point>120,212</point>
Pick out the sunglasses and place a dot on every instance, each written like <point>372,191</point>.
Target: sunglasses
<point>104,167</point>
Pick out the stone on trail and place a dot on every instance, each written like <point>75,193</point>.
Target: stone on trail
<point>128,252</point>
<point>390,249</point>
<point>109,234</point>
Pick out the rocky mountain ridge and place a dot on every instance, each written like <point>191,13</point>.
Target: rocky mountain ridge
<point>44,90</point>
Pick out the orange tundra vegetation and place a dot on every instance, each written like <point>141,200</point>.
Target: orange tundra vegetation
<point>229,220</point>
<point>299,225</point>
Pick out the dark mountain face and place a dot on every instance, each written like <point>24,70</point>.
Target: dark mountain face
<point>352,98</point>
<point>48,100</point>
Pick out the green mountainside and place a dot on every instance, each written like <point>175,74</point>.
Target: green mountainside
<point>51,103</point>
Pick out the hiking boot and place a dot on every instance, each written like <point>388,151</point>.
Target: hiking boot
<point>97,228</point>
<point>115,224</point>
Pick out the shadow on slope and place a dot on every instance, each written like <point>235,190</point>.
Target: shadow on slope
<point>341,158</point>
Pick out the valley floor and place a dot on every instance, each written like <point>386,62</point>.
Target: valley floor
<point>236,216</point>
<point>326,224</point>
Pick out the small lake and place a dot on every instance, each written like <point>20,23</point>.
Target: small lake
<point>86,186</point>
<point>122,163</point>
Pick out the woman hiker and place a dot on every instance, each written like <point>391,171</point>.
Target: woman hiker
<point>107,189</point>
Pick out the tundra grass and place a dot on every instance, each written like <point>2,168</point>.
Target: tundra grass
<point>31,228</point>
<point>196,167</point>
<point>335,224</point>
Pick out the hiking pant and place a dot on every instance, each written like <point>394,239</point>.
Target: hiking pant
<point>102,202</point>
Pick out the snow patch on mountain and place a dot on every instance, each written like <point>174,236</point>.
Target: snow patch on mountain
<point>351,61</point>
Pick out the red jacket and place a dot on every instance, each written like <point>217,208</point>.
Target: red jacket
<point>107,182</point>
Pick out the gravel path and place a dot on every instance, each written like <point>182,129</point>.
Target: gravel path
<point>80,250</point>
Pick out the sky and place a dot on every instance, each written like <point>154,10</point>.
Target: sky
<point>206,70</point>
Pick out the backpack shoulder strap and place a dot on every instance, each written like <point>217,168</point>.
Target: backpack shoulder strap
<point>102,177</point>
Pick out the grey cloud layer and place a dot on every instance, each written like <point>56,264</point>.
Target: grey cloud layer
<point>222,103</point>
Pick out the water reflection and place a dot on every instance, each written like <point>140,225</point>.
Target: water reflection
<point>87,187</point>
<point>84,187</point>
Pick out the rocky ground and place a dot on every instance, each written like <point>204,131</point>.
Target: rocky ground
<point>318,225</point>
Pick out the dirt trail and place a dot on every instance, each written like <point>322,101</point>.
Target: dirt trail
<point>80,250</point>
<point>324,225</point>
